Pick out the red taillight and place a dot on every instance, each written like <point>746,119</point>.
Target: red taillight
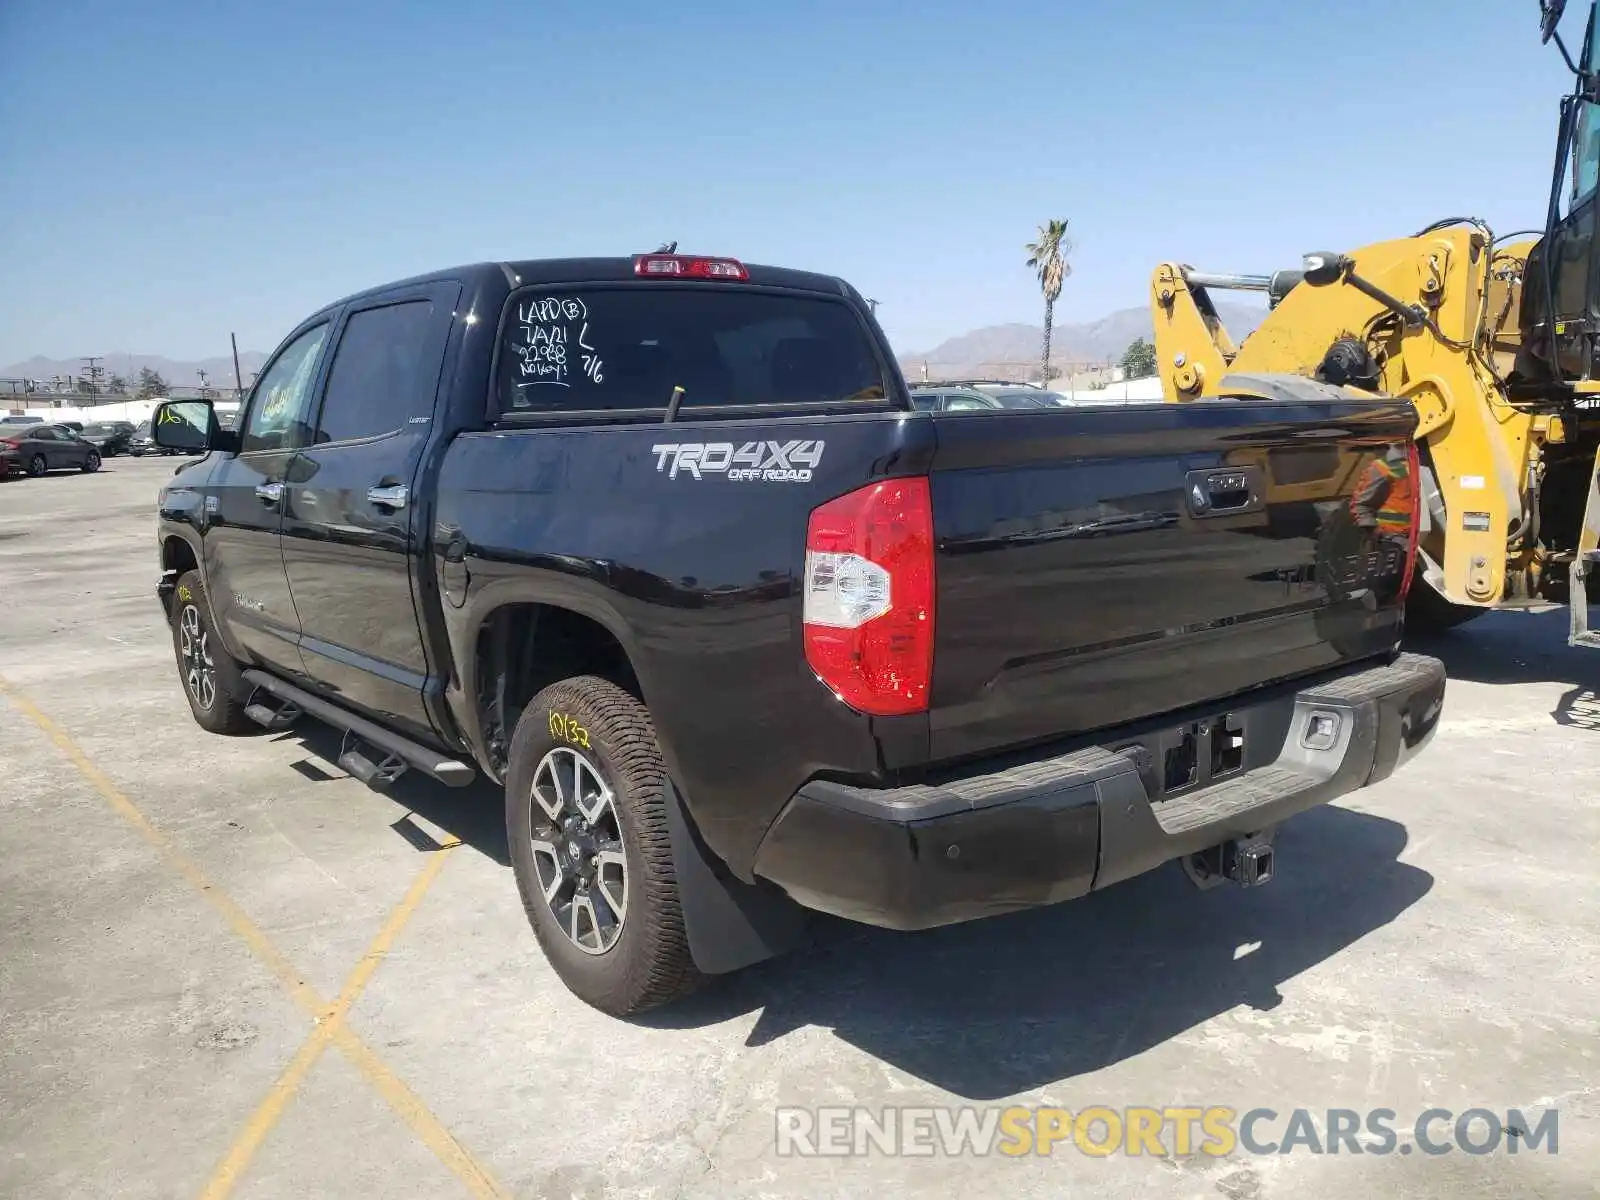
<point>1414,477</point>
<point>868,608</point>
<point>688,266</point>
<point>12,442</point>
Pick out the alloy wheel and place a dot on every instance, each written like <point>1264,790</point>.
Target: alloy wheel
<point>577,849</point>
<point>194,647</point>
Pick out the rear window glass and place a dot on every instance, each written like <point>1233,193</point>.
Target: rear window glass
<point>629,347</point>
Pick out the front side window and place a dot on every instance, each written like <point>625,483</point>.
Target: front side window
<point>281,408</point>
<point>377,384</point>
<point>612,348</point>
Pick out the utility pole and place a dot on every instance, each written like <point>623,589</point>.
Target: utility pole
<point>92,372</point>
<point>238,379</point>
<point>205,392</point>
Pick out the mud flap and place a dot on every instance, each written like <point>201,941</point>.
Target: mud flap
<point>730,924</point>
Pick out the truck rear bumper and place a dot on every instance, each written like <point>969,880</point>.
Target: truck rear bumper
<point>1051,829</point>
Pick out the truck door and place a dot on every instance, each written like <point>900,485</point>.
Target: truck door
<point>245,582</point>
<point>351,533</point>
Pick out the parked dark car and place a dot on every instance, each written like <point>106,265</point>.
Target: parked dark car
<point>961,398</point>
<point>41,448</point>
<point>110,437</point>
<point>141,443</point>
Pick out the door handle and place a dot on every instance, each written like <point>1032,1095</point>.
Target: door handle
<point>269,493</point>
<point>393,496</point>
<point>1227,492</point>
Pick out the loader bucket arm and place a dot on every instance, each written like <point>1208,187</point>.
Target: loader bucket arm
<point>1193,348</point>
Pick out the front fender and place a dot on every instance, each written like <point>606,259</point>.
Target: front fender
<point>173,531</point>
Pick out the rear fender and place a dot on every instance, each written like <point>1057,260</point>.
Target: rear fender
<point>533,587</point>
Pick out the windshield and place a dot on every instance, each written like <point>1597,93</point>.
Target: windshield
<point>100,430</point>
<point>616,348</point>
<point>1586,139</point>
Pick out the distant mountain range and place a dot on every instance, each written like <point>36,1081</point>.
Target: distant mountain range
<point>987,350</point>
<point>980,351</point>
<point>177,372</point>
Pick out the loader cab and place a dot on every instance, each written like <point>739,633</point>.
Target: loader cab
<point>1563,273</point>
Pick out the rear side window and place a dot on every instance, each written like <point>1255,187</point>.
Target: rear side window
<point>628,347</point>
<point>1027,399</point>
<point>376,384</point>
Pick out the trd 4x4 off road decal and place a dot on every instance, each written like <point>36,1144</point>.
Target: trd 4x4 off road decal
<point>766,462</point>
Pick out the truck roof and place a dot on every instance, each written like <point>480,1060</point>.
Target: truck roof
<point>618,268</point>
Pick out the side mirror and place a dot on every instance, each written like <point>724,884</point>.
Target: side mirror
<point>1323,268</point>
<point>1549,17</point>
<point>184,425</point>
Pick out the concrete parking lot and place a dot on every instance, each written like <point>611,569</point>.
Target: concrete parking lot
<point>228,969</point>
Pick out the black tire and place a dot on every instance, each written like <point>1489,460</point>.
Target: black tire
<point>1428,613</point>
<point>648,964</point>
<point>38,465</point>
<point>92,463</point>
<point>220,707</point>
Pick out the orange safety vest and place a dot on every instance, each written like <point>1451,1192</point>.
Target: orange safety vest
<point>1393,515</point>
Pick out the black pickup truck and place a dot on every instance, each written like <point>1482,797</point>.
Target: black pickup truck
<point>660,544</point>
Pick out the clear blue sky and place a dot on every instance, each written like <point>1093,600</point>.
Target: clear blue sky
<point>176,170</point>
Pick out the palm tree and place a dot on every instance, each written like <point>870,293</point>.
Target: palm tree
<point>1047,256</point>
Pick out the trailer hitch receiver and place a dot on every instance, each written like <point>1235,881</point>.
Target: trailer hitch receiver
<point>1246,861</point>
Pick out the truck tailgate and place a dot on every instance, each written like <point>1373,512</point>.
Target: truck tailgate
<point>1097,566</point>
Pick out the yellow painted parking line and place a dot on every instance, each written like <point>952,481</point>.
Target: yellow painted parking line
<point>283,1091</point>
<point>428,1128</point>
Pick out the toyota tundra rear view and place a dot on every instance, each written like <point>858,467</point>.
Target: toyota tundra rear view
<point>660,545</point>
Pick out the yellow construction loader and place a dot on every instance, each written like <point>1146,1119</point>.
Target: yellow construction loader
<point>1496,341</point>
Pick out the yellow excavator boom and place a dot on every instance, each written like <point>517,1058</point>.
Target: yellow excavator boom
<point>1433,319</point>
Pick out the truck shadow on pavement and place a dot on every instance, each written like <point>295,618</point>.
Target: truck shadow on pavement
<point>1522,647</point>
<point>475,814</point>
<point>1512,647</point>
<point>997,1007</point>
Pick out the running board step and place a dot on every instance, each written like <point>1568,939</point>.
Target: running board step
<point>284,715</point>
<point>377,770</point>
<point>447,771</point>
